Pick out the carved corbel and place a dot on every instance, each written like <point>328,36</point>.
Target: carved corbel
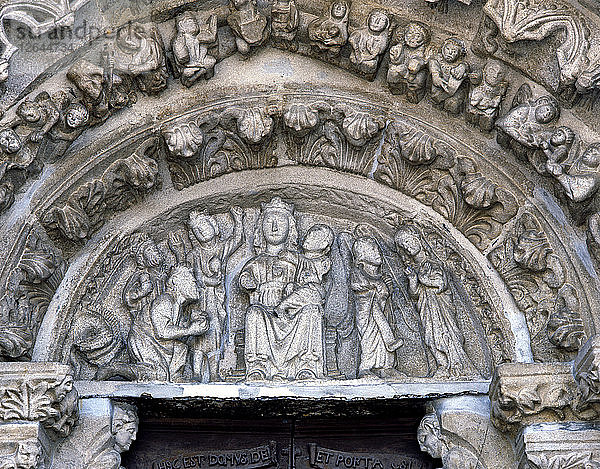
<point>106,430</point>
<point>464,438</point>
<point>559,446</point>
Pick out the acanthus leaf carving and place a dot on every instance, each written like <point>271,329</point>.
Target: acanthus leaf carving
<point>122,184</point>
<point>575,460</point>
<point>536,277</point>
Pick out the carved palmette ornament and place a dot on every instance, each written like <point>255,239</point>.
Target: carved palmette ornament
<point>537,279</point>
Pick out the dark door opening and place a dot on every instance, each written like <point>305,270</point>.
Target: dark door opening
<point>296,442</point>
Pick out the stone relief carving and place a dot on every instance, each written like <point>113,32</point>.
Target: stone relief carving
<point>285,21</point>
<point>449,76</point>
<point>516,21</point>
<point>426,168</point>
<point>114,439</point>
<point>329,33</point>
<point>485,97</point>
<point>29,287</point>
<point>42,396</point>
<point>248,24</point>
<point>432,441</point>
<point>27,455</point>
<point>218,143</point>
<point>40,15</point>
<point>123,183</point>
<point>369,44</point>
<point>188,312</point>
<point>538,281</point>
<point>409,59</point>
<point>192,48</point>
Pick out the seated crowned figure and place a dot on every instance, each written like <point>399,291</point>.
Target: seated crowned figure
<point>282,342</point>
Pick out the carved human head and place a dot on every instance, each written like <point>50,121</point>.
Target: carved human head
<point>124,426</point>
<point>407,241</point>
<point>367,255</point>
<point>378,21</point>
<point>29,454</point>
<point>10,142</point>
<point>203,226</point>
<point>339,10</point>
<point>186,23</point>
<point>277,222</point>
<point>183,283</point>
<point>88,77</point>
<point>148,254</point>
<point>546,109</point>
<point>591,156</point>
<point>29,111</point>
<point>453,49</point>
<point>76,116</point>
<point>429,436</point>
<point>416,35</point>
<point>562,136</point>
<point>129,37</point>
<point>494,73</point>
<point>318,240</point>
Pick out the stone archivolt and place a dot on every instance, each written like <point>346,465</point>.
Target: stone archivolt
<point>309,233</point>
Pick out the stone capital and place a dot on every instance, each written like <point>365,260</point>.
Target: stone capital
<point>38,392</point>
<point>24,445</point>
<point>572,445</point>
<point>527,393</point>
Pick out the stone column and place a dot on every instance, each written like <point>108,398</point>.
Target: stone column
<point>550,410</point>
<point>38,408</point>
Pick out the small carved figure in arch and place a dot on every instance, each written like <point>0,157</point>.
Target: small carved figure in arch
<point>138,51</point>
<point>329,34</point>
<point>248,24</point>
<point>409,58</point>
<point>449,76</point>
<point>285,20</point>
<point>191,47</point>
<point>558,146</point>
<point>486,95</point>
<point>41,115</point>
<point>528,124</point>
<point>378,341</point>
<point>103,90</point>
<point>15,153</point>
<point>209,260</point>
<point>429,285</point>
<point>580,179</point>
<point>370,43</point>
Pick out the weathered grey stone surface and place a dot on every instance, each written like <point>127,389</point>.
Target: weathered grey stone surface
<point>301,199</point>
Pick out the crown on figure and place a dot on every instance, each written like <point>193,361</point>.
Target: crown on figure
<point>276,204</point>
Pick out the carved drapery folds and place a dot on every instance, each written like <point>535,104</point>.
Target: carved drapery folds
<point>339,304</point>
